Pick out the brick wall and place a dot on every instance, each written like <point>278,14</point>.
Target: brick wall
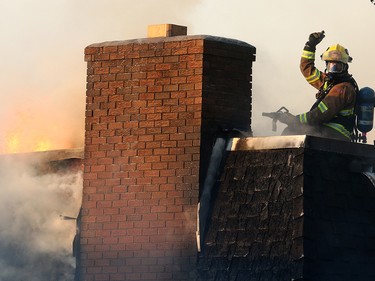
<point>152,111</point>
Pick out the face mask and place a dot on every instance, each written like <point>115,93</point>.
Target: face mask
<point>334,67</point>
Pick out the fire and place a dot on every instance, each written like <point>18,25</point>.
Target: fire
<point>43,146</point>
<point>30,131</point>
<point>17,142</point>
<point>13,144</point>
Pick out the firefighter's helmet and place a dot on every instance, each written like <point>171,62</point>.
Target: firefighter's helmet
<point>336,53</point>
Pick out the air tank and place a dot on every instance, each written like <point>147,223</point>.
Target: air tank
<point>365,109</point>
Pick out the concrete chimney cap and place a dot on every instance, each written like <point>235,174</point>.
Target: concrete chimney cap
<point>166,30</point>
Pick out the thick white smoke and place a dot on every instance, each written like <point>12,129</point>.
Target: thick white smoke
<point>35,243</point>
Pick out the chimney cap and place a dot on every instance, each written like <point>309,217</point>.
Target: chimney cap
<point>166,30</point>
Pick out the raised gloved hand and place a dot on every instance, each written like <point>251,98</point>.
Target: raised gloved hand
<point>314,39</point>
<point>287,118</point>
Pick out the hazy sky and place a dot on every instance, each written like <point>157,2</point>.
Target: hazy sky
<point>43,72</point>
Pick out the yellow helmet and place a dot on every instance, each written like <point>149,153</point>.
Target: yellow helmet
<point>336,53</point>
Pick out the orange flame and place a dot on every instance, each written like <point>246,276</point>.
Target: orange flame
<point>17,142</point>
<point>30,131</point>
<point>13,144</point>
<point>43,145</point>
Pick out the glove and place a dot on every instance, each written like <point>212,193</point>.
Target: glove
<point>287,118</point>
<point>314,39</point>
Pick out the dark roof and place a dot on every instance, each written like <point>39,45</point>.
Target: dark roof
<point>279,199</point>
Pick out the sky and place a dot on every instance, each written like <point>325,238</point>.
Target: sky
<point>43,73</point>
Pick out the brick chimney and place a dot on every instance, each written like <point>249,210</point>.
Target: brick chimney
<point>153,109</point>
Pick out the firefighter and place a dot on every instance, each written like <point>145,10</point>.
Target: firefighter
<point>332,115</point>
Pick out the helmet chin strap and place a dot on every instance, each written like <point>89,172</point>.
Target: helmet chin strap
<point>335,76</point>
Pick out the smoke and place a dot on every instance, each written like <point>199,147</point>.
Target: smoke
<point>35,243</point>
<point>42,58</point>
<point>279,30</point>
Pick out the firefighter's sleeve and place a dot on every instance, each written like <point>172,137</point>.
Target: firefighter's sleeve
<point>307,65</point>
<point>336,100</point>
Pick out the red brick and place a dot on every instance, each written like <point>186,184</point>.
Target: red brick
<point>169,88</point>
<point>146,138</point>
<point>145,152</point>
<point>168,158</point>
<point>154,88</point>
<point>160,166</point>
<point>146,194</point>
<point>150,217</point>
<point>175,179</point>
<point>116,56</point>
<point>141,239</point>
<point>151,174</point>
<point>188,43</point>
<point>159,195</point>
<point>133,247</point>
<point>161,137</point>
<point>134,188</point>
<point>143,181</point>
<point>92,50</point>
<point>115,84</point>
<point>134,217</point>
<point>154,144</point>
<point>100,85</point>
<point>167,187</point>
<point>163,66</point>
<point>154,158</point>
<point>159,180</point>
<point>168,144</point>
<point>154,103</point>
<point>168,173</point>
<point>154,74</point>
<point>163,109</point>
<point>147,124</point>
<point>178,136</point>
<point>161,151</point>
<point>194,49</point>
<point>156,116</point>
<point>102,57</point>
<point>110,49</point>
<point>179,51</point>
<point>176,151</point>
<point>143,210</point>
<point>165,216</point>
